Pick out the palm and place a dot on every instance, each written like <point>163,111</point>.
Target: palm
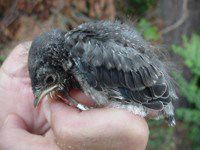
<point>14,80</point>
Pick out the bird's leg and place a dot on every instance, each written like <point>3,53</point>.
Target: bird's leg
<point>75,103</point>
<point>65,96</point>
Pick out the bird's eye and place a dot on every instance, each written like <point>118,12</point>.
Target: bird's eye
<point>49,79</point>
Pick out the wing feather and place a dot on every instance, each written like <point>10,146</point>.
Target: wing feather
<point>123,69</point>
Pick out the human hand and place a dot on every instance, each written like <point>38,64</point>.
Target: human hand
<point>98,128</point>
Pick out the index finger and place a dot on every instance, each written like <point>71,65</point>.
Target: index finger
<point>70,125</point>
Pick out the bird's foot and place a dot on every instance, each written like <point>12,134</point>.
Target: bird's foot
<point>82,107</point>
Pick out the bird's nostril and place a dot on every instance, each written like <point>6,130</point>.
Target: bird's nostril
<point>49,79</point>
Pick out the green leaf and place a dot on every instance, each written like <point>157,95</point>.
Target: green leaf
<point>148,31</point>
<point>190,51</point>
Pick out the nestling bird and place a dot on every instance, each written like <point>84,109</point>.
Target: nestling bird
<point>108,61</point>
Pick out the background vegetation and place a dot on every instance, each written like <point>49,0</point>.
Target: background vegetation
<point>172,24</point>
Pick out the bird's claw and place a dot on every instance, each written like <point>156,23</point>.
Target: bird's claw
<point>73,102</point>
<point>82,107</point>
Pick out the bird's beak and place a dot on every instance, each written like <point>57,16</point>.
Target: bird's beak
<point>41,94</point>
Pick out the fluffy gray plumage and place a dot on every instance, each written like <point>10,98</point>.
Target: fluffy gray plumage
<point>108,61</point>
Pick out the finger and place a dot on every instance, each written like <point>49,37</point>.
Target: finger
<point>120,126</point>
<point>81,97</point>
<point>13,134</point>
<point>97,126</point>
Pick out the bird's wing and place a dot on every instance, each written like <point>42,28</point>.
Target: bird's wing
<point>107,65</point>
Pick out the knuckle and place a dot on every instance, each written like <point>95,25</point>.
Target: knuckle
<point>19,46</point>
<point>24,45</point>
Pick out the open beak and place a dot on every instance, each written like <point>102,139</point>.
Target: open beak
<point>41,94</point>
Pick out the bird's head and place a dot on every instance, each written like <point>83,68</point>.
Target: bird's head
<point>49,65</point>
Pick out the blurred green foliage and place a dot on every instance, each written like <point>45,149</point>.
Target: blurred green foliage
<point>148,31</point>
<point>140,6</point>
<point>161,136</point>
<point>190,89</point>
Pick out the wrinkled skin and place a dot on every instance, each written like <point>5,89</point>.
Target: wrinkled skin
<point>53,125</point>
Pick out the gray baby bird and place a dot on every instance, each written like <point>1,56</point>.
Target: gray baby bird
<point>108,61</point>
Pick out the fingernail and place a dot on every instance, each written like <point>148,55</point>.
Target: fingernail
<point>46,109</point>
